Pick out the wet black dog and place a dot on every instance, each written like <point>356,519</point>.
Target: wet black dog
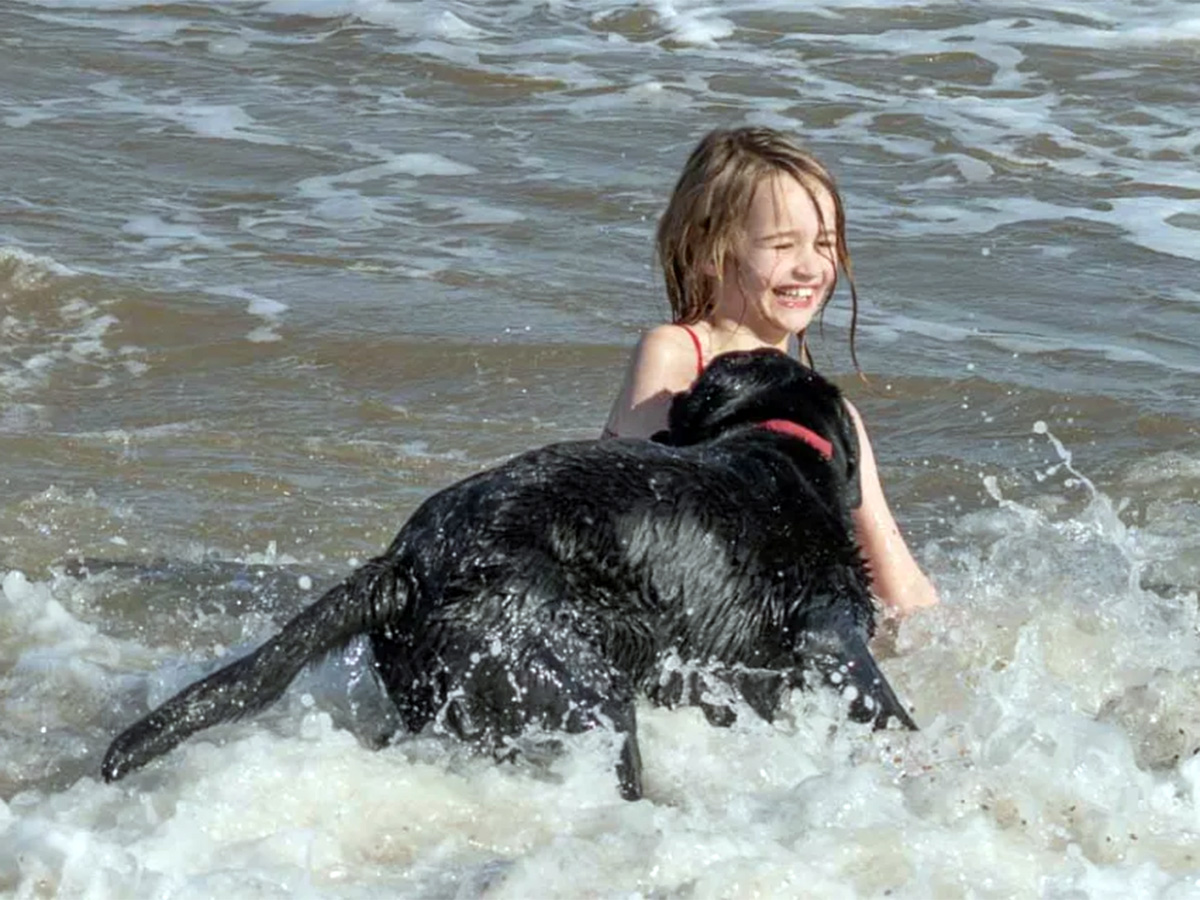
<point>554,589</point>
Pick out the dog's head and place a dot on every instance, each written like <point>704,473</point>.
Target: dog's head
<point>752,387</point>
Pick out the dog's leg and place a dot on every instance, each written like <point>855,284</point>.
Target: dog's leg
<point>570,677</point>
<point>629,765</point>
<point>255,681</point>
<point>693,688</point>
<point>762,689</point>
<point>546,675</point>
<point>838,649</point>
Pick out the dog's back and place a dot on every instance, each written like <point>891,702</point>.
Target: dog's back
<point>714,538</point>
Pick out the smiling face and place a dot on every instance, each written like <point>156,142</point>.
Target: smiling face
<point>785,263</point>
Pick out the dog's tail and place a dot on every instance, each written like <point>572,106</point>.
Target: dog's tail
<point>366,599</point>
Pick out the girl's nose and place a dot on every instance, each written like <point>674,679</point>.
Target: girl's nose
<point>808,261</point>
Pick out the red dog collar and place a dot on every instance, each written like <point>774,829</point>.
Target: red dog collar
<point>810,437</point>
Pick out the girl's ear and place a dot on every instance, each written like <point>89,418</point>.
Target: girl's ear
<point>714,265</point>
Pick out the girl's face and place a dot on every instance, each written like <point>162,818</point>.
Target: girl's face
<point>786,262</point>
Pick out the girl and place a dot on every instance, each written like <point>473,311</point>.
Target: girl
<point>750,246</point>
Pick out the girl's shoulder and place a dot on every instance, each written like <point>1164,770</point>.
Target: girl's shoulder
<point>672,334</point>
<point>672,347</point>
<point>662,365</point>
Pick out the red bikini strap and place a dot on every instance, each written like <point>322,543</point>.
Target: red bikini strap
<point>699,351</point>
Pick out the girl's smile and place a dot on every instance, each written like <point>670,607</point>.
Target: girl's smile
<point>795,298</point>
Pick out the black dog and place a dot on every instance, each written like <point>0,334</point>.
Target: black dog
<point>552,590</point>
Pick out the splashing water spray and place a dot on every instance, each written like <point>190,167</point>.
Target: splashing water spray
<point>1100,518</point>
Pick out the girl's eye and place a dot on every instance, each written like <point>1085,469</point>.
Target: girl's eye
<point>786,246</point>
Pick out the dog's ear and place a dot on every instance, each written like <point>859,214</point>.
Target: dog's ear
<point>819,404</point>
<point>734,388</point>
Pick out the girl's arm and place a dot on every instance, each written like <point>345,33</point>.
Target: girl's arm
<point>662,365</point>
<point>896,577</point>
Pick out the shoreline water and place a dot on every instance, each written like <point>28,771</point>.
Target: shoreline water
<point>271,274</point>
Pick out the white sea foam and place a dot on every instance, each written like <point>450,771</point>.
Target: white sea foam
<point>1031,769</point>
<point>21,269</point>
<point>693,23</point>
<point>269,310</point>
<point>22,116</point>
<point>157,232</point>
<point>58,334</point>
<point>420,19</point>
<point>366,196</point>
<point>83,4</point>
<point>229,46</point>
<point>893,327</point>
<point>413,164</point>
<point>467,212</point>
<point>222,121</point>
<point>1146,221</point>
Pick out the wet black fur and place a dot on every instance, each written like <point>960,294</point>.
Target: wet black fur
<point>552,590</point>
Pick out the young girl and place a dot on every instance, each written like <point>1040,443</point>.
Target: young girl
<point>750,246</point>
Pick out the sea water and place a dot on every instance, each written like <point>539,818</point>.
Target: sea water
<point>272,273</point>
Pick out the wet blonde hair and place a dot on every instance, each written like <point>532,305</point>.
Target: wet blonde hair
<point>704,220</point>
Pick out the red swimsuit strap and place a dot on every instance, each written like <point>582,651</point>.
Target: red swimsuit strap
<point>699,352</point>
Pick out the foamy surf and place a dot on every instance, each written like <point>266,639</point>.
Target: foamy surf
<point>1056,695</point>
